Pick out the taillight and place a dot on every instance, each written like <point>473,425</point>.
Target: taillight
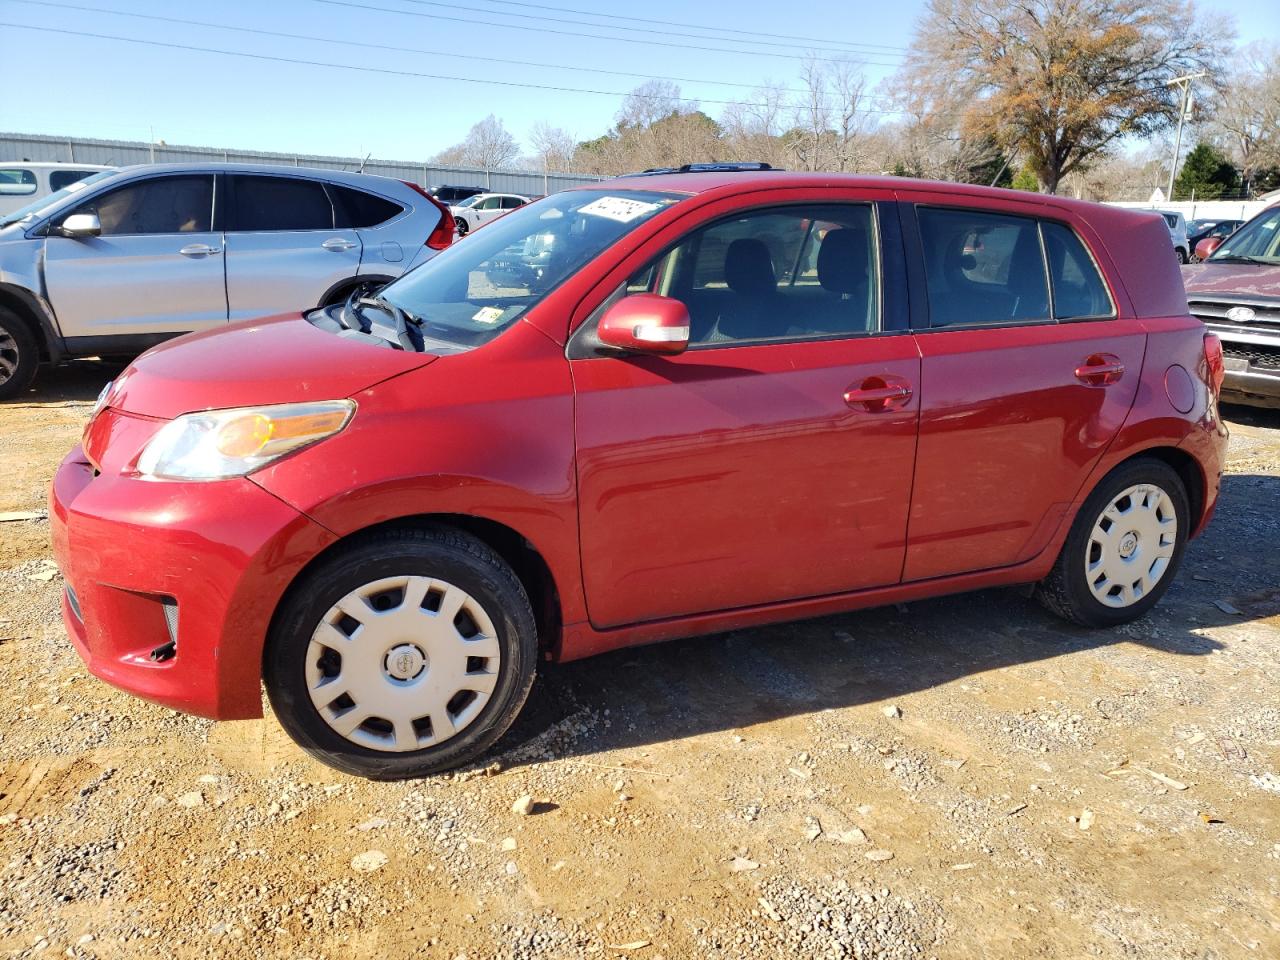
<point>442,235</point>
<point>1217,369</point>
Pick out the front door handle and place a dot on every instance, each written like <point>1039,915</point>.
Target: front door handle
<point>338,244</point>
<point>1100,370</point>
<point>878,394</point>
<point>198,250</point>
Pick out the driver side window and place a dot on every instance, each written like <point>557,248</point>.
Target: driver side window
<point>159,205</point>
<point>783,273</point>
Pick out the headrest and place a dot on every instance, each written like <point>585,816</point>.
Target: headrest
<point>842,260</point>
<point>748,268</point>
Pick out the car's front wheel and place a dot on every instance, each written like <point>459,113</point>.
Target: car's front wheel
<point>407,653</point>
<point>19,355</point>
<point>462,226</point>
<point>1123,549</point>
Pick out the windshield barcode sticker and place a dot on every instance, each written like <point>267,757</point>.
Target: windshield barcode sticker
<point>488,315</point>
<point>618,208</point>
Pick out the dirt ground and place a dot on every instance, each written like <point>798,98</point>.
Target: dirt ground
<point>1038,792</point>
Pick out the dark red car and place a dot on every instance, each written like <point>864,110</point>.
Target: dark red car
<point>650,408</point>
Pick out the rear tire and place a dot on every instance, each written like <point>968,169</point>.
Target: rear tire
<point>392,690</point>
<point>19,355</point>
<point>1182,255</point>
<point>1124,547</point>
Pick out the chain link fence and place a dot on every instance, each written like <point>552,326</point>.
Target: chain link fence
<point>118,153</point>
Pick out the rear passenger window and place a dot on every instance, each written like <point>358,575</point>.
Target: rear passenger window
<point>62,178</point>
<point>510,203</point>
<point>982,268</point>
<point>1078,290</point>
<point>355,208</point>
<point>280,203</point>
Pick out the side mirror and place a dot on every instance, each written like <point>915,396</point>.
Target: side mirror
<point>1206,247</point>
<point>80,225</point>
<point>646,323</point>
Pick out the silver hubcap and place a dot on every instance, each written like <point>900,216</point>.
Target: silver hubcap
<point>402,663</point>
<point>8,356</point>
<point>1131,545</point>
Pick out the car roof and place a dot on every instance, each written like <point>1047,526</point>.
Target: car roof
<point>277,169</point>
<point>730,182</point>
<point>55,163</point>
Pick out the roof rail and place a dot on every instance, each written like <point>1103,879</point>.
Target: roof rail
<point>735,166</point>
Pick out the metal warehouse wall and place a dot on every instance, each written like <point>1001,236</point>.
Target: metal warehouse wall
<point>119,153</point>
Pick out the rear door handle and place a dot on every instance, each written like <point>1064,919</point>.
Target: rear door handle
<point>338,244</point>
<point>1100,370</point>
<point>198,250</point>
<point>878,394</point>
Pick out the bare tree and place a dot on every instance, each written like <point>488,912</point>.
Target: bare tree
<point>1247,114</point>
<point>1060,81</point>
<point>553,146</point>
<point>488,145</point>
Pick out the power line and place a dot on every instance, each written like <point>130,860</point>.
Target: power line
<point>376,46</point>
<point>589,36</point>
<point>692,26</point>
<point>665,32</point>
<point>385,71</point>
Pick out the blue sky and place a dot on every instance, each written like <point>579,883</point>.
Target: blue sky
<point>85,86</point>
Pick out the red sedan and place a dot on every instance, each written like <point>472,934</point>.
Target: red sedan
<point>650,408</point>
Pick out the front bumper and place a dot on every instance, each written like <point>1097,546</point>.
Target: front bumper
<point>220,555</point>
<point>1249,384</point>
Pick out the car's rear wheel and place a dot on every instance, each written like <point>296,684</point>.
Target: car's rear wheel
<point>1182,255</point>
<point>408,653</point>
<point>19,355</point>
<point>1123,549</point>
<point>462,226</point>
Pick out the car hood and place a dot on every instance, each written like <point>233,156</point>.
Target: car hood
<point>1237,279</point>
<point>280,359</point>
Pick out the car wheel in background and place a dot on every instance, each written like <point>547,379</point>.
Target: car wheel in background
<point>461,225</point>
<point>19,355</point>
<point>1123,549</point>
<point>1182,255</point>
<point>406,653</point>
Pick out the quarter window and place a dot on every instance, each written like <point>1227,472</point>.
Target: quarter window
<point>791,273</point>
<point>982,268</point>
<point>1078,290</point>
<point>280,203</point>
<point>158,205</point>
<point>355,208</point>
<point>17,182</point>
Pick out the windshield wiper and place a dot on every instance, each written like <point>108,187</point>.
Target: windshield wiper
<point>1243,258</point>
<point>399,316</point>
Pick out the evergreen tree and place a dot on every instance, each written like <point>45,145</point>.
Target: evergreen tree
<point>1206,175</point>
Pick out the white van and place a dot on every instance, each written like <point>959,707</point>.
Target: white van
<point>22,183</point>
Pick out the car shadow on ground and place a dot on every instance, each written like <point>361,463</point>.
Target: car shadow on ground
<point>69,382</point>
<point>730,681</point>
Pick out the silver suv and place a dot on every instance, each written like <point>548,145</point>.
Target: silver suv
<point>135,257</point>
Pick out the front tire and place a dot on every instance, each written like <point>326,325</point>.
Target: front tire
<point>19,355</point>
<point>462,226</point>
<point>407,653</point>
<point>1124,547</point>
<point>1182,255</point>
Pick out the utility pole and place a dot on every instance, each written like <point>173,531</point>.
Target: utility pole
<point>1183,83</point>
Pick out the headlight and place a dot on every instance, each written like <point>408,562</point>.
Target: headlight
<point>232,443</point>
<point>102,399</point>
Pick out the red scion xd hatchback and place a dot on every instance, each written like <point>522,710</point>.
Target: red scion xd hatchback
<point>644,409</point>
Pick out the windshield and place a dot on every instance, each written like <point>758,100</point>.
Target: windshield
<point>468,294</point>
<point>36,206</point>
<point>1259,239</point>
<point>469,201</point>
